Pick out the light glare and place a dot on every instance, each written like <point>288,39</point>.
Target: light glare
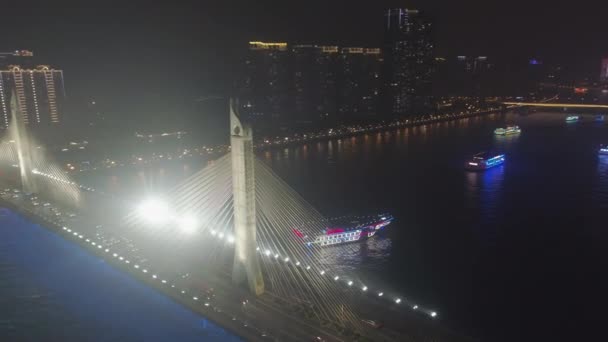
<point>154,211</point>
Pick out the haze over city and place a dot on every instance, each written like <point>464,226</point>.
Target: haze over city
<point>307,171</point>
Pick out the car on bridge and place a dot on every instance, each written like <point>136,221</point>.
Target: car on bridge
<point>373,324</point>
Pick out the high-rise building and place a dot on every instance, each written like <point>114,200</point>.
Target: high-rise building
<point>307,85</point>
<point>314,82</point>
<point>359,81</point>
<point>40,94</point>
<point>604,71</point>
<point>408,61</point>
<point>265,89</point>
<point>468,76</point>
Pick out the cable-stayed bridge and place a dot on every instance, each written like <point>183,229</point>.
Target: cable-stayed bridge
<point>233,241</point>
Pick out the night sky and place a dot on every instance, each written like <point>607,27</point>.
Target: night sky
<point>146,60</point>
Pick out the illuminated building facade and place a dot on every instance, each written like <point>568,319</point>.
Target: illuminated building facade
<point>314,82</point>
<point>359,81</point>
<point>308,84</point>
<point>408,61</point>
<point>40,94</point>
<point>264,90</point>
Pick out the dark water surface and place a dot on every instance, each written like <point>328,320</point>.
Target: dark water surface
<point>514,253</point>
<point>52,290</point>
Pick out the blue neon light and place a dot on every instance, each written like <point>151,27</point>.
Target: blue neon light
<point>497,160</point>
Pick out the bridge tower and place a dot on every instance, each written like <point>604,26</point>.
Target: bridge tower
<point>18,134</point>
<point>246,263</point>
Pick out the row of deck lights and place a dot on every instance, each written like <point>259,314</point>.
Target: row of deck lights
<point>189,223</point>
<point>55,178</point>
<point>144,270</point>
<point>158,209</point>
<point>277,256</point>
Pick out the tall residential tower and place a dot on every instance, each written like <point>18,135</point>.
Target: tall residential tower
<point>408,61</point>
<point>40,94</point>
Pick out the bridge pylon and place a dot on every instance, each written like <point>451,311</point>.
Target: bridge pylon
<point>18,134</point>
<point>246,262</point>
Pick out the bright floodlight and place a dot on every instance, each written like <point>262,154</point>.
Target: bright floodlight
<point>187,224</point>
<point>154,211</point>
<point>350,283</point>
<point>380,294</point>
<point>433,314</point>
<point>364,288</point>
<point>398,300</point>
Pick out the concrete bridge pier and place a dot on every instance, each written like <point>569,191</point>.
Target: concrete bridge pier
<point>246,264</point>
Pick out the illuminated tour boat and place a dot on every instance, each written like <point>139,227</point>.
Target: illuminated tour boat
<point>481,161</point>
<point>344,230</point>
<point>507,131</point>
<point>572,118</point>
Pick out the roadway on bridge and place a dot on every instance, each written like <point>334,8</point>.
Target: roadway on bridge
<point>269,311</point>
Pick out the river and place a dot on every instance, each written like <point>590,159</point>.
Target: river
<point>513,253</point>
<point>53,290</point>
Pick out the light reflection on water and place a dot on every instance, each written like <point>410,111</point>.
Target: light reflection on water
<point>453,227</point>
<point>367,254</point>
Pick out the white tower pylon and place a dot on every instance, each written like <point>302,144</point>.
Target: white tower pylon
<point>18,134</point>
<point>246,263</point>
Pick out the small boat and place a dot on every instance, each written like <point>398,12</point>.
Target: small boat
<point>603,150</point>
<point>507,131</point>
<point>599,118</point>
<point>482,161</point>
<point>572,118</point>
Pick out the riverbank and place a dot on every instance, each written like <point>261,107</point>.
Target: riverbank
<point>351,131</point>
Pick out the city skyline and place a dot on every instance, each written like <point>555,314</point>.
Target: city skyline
<point>310,171</point>
<point>206,42</point>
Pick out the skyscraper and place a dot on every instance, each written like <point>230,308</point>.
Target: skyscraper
<point>308,85</point>
<point>359,81</point>
<point>314,82</point>
<point>408,61</point>
<point>264,92</point>
<point>40,94</point>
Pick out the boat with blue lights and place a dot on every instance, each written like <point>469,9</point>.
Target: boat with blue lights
<point>507,131</point>
<point>603,150</point>
<point>572,118</point>
<point>483,161</point>
<point>346,229</point>
<point>599,118</point>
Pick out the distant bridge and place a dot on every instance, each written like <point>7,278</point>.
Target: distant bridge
<point>556,105</point>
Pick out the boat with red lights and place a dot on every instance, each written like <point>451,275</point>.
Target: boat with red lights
<point>347,229</point>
